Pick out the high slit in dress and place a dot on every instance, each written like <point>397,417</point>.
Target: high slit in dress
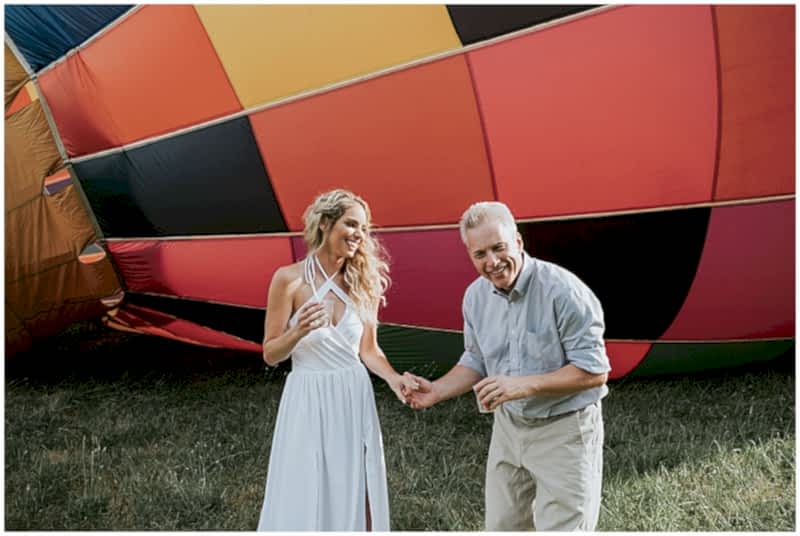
<point>327,450</point>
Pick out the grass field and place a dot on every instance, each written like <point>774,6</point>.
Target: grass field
<point>112,431</point>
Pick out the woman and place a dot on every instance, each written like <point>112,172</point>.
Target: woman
<point>326,470</point>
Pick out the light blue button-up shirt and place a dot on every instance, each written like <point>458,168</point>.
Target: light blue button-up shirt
<point>548,320</point>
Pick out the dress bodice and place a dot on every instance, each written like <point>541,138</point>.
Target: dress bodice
<point>332,346</point>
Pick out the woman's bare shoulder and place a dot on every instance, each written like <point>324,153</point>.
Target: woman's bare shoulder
<point>289,275</point>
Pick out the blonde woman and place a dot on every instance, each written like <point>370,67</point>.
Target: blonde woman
<point>326,470</point>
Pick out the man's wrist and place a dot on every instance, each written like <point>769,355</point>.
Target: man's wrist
<point>533,385</point>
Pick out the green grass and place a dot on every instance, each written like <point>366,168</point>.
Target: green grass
<point>113,431</point>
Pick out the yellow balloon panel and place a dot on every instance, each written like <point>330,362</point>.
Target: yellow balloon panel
<point>267,58</point>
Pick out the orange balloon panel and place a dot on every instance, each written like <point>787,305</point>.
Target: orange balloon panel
<point>613,111</point>
<point>409,142</point>
<point>757,60</point>
<point>153,73</point>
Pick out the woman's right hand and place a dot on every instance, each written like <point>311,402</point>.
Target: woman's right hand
<point>311,316</point>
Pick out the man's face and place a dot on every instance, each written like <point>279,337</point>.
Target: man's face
<point>496,253</point>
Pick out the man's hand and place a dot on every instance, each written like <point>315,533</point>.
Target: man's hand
<point>495,390</point>
<point>424,396</point>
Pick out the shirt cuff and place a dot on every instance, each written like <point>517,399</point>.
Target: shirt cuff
<point>592,360</point>
<point>474,362</point>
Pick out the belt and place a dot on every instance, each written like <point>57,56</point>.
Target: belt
<point>535,421</point>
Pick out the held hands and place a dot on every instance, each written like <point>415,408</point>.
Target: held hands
<point>403,386</point>
<point>311,316</point>
<point>494,390</point>
<point>424,396</point>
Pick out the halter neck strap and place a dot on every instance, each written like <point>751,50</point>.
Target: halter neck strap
<point>311,265</point>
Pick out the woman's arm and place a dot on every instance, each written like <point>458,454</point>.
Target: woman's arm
<point>279,341</point>
<point>375,360</point>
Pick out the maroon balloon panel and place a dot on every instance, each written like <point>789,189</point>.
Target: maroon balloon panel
<point>430,272</point>
<point>744,288</point>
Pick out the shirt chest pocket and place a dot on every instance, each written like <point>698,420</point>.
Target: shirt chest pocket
<point>541,353</point>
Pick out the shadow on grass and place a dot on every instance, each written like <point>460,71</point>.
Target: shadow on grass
<point>90,351</point>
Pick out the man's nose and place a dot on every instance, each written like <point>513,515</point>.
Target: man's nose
<point>491,259</point>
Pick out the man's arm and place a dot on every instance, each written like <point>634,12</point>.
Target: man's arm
<point>580,327</point>
<point>495,390</point>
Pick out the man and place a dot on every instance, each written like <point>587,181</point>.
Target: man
<point>534,352</point>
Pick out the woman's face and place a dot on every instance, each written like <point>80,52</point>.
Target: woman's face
<point>348,232</point>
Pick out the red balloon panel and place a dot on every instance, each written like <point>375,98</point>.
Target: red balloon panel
<point>234,271</point>
<point>757,65</point>
<point>409,142</point>
<point>609,112</point>
<point>154,72</point>
<point>430,271</point>
<point>744,287</point>
<point>146,320</point>
<point>625,356</point>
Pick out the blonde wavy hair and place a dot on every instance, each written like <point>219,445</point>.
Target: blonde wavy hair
<point>367,273</point>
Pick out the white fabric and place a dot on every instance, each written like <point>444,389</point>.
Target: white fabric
<point>327,450</point>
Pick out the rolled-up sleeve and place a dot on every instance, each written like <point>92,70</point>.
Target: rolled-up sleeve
<point>581,327</point>
<point>472,356</point>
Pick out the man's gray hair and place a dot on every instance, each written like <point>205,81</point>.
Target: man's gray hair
<point>483,211</point>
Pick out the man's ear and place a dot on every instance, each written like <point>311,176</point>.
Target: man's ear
<point>520,243</point>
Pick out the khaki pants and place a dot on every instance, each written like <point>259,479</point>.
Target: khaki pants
<point>545,474</point>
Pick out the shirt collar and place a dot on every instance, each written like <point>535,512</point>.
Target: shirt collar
<point>523,280</point>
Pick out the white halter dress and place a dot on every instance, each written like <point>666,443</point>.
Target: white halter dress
<point>327,449</point>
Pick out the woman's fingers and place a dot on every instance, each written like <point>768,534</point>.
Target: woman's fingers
<point>312,316</point>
